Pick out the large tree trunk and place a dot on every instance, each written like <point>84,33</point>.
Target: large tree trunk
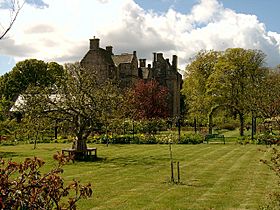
<point>80,145</point>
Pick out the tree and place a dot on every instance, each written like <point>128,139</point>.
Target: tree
<point>148,100</point>
<point>238,73</point>
<point>14,7</point>
<point>194,87</point>
<point>267,100</point>
<point>29,72</point>
<point>78,99</point>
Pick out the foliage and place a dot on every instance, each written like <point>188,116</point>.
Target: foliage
<point>147,100</point>
<point>237,75</point>
<point>224,79</point>
<point>268,105</point>
<point>274,165</point>
<point>7,127</point>
<point>268,139</point>
<point>151,126</point>
<point>192,139</point>
<point>29,72</point>
<point>229,126</point>
<point>148,139</point>
<point>79,99</point>
<point>24,187</point>
<point>194,86</point>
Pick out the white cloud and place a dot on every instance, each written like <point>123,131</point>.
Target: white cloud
<point>103,1</point>
<point>208,26</point>
<point>206,11</point>
<point>61,31</point>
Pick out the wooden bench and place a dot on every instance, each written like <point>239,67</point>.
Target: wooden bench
<point>88,154</point>
<point>214,136</point>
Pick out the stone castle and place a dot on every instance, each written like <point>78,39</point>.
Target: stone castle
<point>126,69</point>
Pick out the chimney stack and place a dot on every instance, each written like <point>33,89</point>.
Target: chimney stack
<point>109,49</point>
<point>155,57</point>
<point>142,62</point>
<point>175,62</point>
<point>159,56</point>
<point>94,44</point>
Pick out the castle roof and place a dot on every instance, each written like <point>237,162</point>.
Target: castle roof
<point>123,58</point>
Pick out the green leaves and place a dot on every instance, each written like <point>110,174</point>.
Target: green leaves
<point>229,78</point>
<point>79,101</point>
<point>30,72</point>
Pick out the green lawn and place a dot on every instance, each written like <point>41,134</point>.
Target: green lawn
<point>214,176</point>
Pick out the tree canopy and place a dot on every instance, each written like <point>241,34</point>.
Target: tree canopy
<point>30,72</point>
<point>195,83</point>
<point>148,100</point>
<point>79,99</point>
<point>227,78</point>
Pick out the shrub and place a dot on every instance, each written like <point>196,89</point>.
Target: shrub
<point>274,165</point>
<point>22,186</point>
<point>243,140</point>
<point>151,126</point>
<point>149,139</point>
<point>192,139</point>
<point>229,126</point>
<point>124,139</point>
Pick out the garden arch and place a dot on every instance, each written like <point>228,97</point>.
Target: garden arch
<point>213,110</point>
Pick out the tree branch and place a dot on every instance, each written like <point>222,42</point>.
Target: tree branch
<point>14,13</point>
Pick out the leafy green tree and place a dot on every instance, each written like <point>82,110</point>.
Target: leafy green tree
<point>267,100</point>
<point>194,87</point>
<point>237,75</point>
<point>29,72</point>
<point>79,99</point>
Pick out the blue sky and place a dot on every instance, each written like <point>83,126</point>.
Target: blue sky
<point>267,11</point>
<point>58,30</point>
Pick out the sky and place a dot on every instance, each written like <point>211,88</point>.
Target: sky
<point>59,30</point>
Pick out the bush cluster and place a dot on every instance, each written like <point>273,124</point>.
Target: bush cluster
<point>262,139</point>
<point>22,186</point>
<point>274,197</point>
<point>268,139</point>
<point>147,139</point>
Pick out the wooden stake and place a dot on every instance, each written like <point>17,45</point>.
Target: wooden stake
<point>178,171</point>
<point>172,173</point>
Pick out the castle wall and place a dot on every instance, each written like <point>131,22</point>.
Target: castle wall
<point>124,68</point>
<point>99,61</point>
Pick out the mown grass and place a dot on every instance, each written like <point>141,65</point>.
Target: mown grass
<point>214,176</point>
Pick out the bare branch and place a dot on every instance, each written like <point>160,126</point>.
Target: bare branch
<point>15,8</point>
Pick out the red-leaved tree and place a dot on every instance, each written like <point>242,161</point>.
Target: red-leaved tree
<point>148,100</point>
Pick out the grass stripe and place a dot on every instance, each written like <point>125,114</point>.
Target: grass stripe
<point>214,176</point>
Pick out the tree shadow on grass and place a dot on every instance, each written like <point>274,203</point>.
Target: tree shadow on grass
<point>8,154</point>
<point>135,160</point>
<point>96,159</point>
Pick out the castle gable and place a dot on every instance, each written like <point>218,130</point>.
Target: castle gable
<point>123,58</point>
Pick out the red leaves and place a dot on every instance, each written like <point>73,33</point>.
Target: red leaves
<point>149,100</point>
<point>23,186</point>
